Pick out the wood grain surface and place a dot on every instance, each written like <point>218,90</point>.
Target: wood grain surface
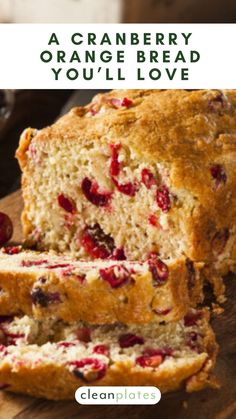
<point>207,404</point>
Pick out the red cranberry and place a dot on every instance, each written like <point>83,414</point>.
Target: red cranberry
<point>153,220</point>
<point>218,173</point>
<point>192,318</point>
<point>101,349</point>
<point>81,278</point>
<point>11,338</point>
<point>153,357</point>
<point>118,254</point>
<point>127,340</point>
<point>59,265</point>
<point>29,263</point>
<point>89,369</point>
<point>149,361</point>
<point>96,243</point>
<point>100,245</point>
<point>128,188</point>
<point>158,269</point>
<point>148,178</point>
<point>163,311</point>
<point>67,204</point>
<point>12,250</point>
<point>83,334</point>
<point>117,103</point>
<point>116,276</point>
<point>163,198</point>
<point>115,165</point>
<point>66,344</point>
<point>219,241</point>
<point>126,102</point>
<point>90,191</point>
<point>6,228</point>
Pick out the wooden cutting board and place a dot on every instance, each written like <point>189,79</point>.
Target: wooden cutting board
<point>207,404</point>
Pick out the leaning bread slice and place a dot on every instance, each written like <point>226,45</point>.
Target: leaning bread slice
<point>50,285</point>
<point>139,170</point>
<point>51,359</point>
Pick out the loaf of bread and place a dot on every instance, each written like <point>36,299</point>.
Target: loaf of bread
<point>99,292</point>
<point>129,205</point>
<point>134,172</point>
<point>51,359</point>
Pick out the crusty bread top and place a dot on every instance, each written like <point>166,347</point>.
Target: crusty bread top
<point>162,124</point>
<point>190,131</point>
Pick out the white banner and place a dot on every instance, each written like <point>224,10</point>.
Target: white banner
<point>87,56</point>
<point>118,395</point>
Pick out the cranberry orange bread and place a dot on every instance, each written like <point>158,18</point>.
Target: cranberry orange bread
<point>134,172</point>
<point>50,285</point>
<point>52,359</point>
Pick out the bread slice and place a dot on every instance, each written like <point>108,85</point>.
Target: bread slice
<point>103,291</point>
<point>51,359</point>
<point>134,172</point>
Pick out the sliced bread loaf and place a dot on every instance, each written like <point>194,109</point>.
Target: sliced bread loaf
<point>102,291</point>
<point>51,359</point>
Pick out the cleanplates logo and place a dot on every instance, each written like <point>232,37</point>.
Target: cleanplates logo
<point>118,395</point>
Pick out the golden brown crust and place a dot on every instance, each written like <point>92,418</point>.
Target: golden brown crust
<point>58,383</point>
<point>95,301</point>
